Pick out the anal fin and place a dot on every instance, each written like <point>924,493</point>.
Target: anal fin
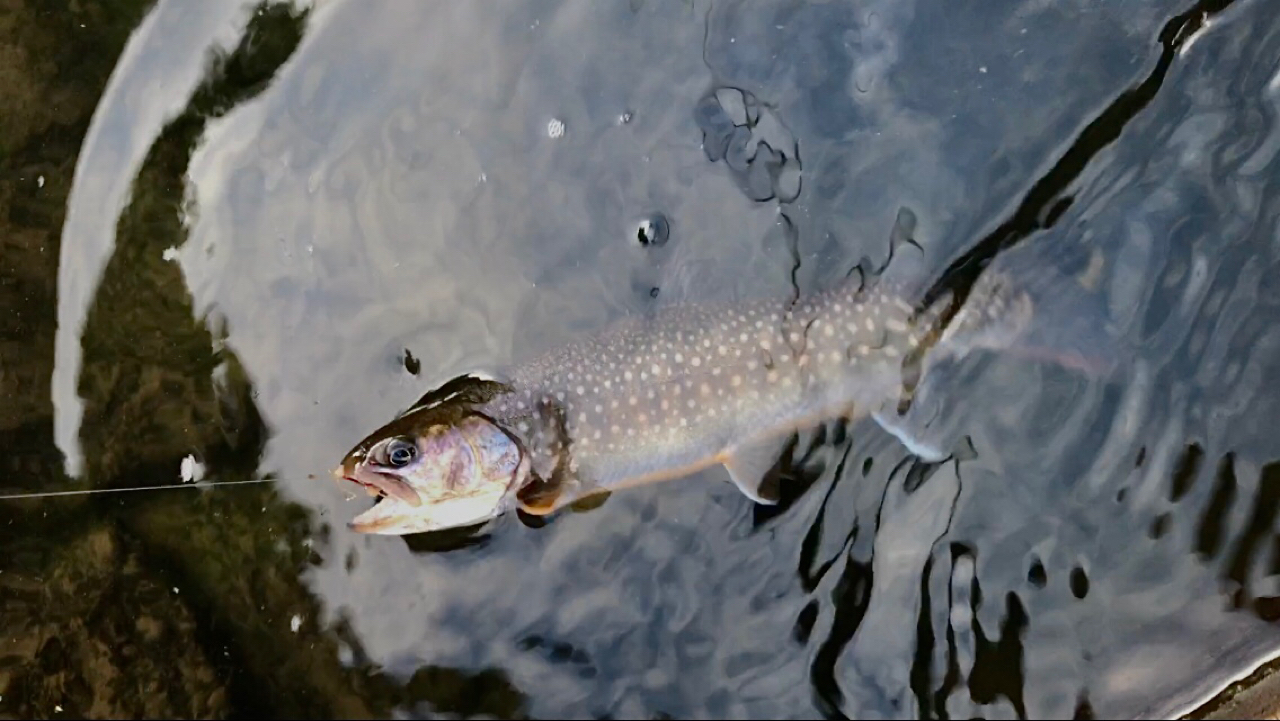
<point>914,437</point>
<point>921,427</point>
<point>749,465</point>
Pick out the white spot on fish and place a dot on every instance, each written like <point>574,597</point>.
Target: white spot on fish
<point>736,381</point>
<point>695,361</point>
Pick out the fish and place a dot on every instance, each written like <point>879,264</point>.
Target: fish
<point>659,396</point>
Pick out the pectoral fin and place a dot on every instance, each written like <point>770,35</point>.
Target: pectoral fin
<point>749,465</point>
<point>539,497</point>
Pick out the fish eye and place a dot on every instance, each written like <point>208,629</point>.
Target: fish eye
<point>400,453</point>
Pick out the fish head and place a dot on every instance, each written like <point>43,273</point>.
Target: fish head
<point>435,467</point>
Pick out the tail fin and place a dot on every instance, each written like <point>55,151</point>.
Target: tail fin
<point>1030,304</point>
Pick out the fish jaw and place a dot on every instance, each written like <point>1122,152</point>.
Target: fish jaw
<point>380,484</point>
<point>394,517</point>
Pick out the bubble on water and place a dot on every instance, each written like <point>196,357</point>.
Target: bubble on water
<point>625,117</point>
<point>653,230</point>
<point>555,128</point>
<point>295,623</point>
<point>192,470</point>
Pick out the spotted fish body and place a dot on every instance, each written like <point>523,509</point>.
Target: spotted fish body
<point>657,397</point>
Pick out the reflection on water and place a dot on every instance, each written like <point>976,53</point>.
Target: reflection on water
<point>285,220</point>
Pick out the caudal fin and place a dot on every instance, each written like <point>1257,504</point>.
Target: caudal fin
<point>1029,304</point>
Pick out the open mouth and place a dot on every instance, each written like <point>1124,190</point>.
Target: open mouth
<point>369,487</point>
<point>384,486</point>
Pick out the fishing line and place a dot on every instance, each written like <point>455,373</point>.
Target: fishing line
<point>85,492</point>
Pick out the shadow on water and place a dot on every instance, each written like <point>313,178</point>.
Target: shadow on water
<point>189,603</point>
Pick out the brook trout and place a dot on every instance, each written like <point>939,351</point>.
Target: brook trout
<point>660,396</point>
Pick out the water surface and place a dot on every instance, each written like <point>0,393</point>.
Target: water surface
<point>284,223</point>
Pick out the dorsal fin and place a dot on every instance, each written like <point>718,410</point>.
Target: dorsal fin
<point>468,389</point>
